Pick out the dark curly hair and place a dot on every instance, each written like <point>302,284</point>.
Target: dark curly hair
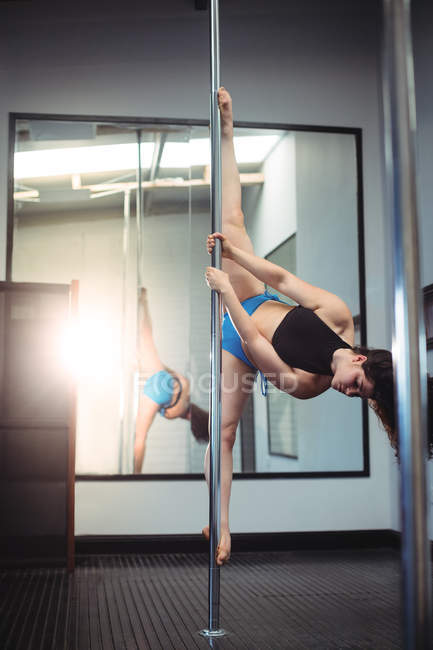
<point>378,369</point>
<point>199,423</point>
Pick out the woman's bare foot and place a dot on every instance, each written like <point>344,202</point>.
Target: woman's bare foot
<point>226,111</point>
<point>142,294</point>
<point>224,547</point>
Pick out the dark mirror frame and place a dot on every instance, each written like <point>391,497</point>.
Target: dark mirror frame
<point>139,121</point>
<point>428,314</point>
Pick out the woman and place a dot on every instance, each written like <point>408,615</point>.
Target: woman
<point>302,350</point>
<point>164,390</point>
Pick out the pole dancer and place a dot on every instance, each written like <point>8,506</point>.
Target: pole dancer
<point>303,350</point>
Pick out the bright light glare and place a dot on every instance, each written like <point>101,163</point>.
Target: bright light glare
<point>86,348</point>
<point>176,155</point>
<point>119,157</point>
<point>253,148</point>
<point>80,160</point>
<point>248,149</point>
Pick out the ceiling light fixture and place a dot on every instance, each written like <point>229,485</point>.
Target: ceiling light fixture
<point>118,157</point>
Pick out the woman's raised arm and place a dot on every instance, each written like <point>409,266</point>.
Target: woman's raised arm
<point>278,278</point>
<point>259,349</point>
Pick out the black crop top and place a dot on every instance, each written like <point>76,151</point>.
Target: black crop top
<point>303,340</point>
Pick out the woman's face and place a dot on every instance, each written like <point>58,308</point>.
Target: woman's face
<point>350,378</point>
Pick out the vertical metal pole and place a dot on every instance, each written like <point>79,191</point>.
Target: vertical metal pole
<point>409,343</point>
<point>215,353</point>
<point>139,261</point>
<point>123,364</point>
<point>139,211</point>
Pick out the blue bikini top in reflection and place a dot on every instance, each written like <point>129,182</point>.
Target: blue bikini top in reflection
<point>160,388</point>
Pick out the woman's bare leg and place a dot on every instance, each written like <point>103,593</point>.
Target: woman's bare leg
<point>244,283</point>
<point>148,364</point>
<point>148,357</point>
<point>147,409</point>
<point>234,371</point>
<point>236,387</point>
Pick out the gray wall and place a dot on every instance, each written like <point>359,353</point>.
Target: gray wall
<point>422,25</point>
<point>310,63</point>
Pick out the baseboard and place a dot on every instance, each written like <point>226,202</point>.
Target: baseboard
<point>241,542</point>
<point>51,551</point>
<point>35,550</point>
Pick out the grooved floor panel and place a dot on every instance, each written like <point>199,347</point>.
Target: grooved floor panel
<point>295,600</point>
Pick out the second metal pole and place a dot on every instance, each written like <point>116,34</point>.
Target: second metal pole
<point>215,352</point>
<point>409,342</point>
<point>139,213</point>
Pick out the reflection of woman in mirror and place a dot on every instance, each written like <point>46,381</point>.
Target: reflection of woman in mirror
<point>303,350</point>
<point>164,390</point>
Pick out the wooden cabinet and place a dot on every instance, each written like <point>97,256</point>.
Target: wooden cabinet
<point>37,432</point>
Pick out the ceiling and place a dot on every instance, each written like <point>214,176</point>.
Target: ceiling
<point>165,189</point>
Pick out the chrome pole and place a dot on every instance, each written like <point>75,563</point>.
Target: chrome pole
<point>139,212</point>
<point>123,363</point>
<point>139,262</point>
<point>215,353</point>
<point>409,341</point>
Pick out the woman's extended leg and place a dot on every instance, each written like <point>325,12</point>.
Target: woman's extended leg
<point>148,364</point>
<point>244,283</point>
<point>237,380</point>
<point>147,409</point>
<point>148,357</point>
<point>236,375</point>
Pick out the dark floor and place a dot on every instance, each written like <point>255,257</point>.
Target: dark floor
<point>269,601</point>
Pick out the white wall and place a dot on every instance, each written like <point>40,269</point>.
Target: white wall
<point>270,215</point>
<point>313,63</point>
<point>327,256</point>
<point>270,210</point>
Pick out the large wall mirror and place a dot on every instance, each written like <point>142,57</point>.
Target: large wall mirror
<point>144,308</point>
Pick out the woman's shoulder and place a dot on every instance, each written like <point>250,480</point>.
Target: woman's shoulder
<point>339,320</point>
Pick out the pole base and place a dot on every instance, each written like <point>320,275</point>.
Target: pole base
<point>212,634</point>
